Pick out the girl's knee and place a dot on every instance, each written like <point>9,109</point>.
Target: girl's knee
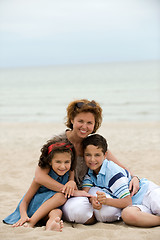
<point>60,198</point>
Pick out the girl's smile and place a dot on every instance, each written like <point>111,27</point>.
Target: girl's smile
<point>61,163</point>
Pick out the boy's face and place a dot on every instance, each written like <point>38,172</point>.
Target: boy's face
<point>94,157</point>
<point>61,163</point>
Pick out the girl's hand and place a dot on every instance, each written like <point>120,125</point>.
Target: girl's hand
<point>134,186</point>
<point>21,221</point>
<point>101,197</point>
<point>95,203</point>
<point>69,188</point>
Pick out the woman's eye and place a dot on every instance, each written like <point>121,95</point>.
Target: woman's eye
<point>87,154</point>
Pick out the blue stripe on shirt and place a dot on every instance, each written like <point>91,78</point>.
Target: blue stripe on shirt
<point>115,178</point>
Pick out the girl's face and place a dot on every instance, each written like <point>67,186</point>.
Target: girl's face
<point>61,163</point>
<point>83,124</point>
<point>94,157</point>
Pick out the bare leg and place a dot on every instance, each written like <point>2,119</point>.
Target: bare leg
<point>90,221</point>
<point>135,217</point>
<point>54,222</point>
<point>54,202</point>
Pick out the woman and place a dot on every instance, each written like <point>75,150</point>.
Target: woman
<point>84,117</point>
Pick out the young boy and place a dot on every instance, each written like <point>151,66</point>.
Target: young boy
<point>109,183</point>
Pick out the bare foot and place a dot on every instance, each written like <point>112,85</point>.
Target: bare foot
<point>55,225</point>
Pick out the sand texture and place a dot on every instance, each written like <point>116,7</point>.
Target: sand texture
<point>136,145</point>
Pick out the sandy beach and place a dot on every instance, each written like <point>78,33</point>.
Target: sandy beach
<point>137,145</point>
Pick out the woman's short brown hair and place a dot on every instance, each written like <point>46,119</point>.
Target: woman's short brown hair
<point>84,105</point>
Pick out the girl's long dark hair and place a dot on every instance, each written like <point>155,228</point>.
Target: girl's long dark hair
<point>60,146</point>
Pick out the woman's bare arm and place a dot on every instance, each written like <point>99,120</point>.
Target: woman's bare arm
<point>42,178</point>
<point>112,158</point>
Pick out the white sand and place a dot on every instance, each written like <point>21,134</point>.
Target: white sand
<point>137,145</point>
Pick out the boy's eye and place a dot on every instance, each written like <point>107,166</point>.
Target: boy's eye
<point>97,155</point>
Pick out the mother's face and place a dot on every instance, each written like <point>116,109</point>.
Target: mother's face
<point>83,124</point>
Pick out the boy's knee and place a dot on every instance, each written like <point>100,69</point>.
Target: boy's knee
<point>77,210</point>
<point>107,214</point>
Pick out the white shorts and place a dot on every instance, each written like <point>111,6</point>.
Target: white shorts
<point>151,200</point>
<point>79,210</point>
<point>106,213</point>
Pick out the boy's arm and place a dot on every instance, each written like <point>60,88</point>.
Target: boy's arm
<point>42,178</point>
<point>118,203</point>
<point>25,202</point>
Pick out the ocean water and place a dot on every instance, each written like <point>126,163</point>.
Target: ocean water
<point>126,91</point>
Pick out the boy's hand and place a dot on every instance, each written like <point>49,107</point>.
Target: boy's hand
<point>69,188</point>
<point>21,221</point>
<point>101,197</point>
<point>95,203</point>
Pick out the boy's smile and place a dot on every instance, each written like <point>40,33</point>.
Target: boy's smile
<point>94,157</point>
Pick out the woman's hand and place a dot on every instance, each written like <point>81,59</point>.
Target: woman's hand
<point>69,188</point>
<point>81,193</point>
<point>21,221</point>
<point>134,185</point>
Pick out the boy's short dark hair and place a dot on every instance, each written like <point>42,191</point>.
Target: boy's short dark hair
<point>96,140</point>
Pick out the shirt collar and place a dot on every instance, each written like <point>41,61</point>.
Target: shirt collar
<point>102,169</point>
<point>55,175</point>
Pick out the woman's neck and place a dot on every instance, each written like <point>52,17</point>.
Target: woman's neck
<point>76,141</point>
<point>73,138</point>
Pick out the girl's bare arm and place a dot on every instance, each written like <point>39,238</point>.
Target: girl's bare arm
<point>25,202</point>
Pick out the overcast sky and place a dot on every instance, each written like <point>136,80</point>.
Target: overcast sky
<point>49,32</point>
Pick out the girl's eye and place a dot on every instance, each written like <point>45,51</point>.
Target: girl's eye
<point>68,161</point>
<point>58,161</point>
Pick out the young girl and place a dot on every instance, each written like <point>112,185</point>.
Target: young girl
<point>41,203</point>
